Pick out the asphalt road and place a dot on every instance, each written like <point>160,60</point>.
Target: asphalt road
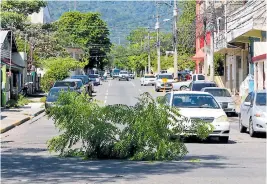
<point>24,158</point>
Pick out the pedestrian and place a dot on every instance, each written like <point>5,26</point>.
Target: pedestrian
<point>188,76</point>
<point>105,76</point>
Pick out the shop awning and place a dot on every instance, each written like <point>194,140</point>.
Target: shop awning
<point>259,58</point>
<point>5,61</point>
<point>199,55</point>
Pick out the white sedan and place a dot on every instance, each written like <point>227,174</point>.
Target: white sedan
<point>253,113</point>
<point>196,105</point>
<point>148,79</point>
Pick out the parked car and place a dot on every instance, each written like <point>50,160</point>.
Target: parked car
<point>159,84</point>
<point>197,105</point>
<point>80,86</point>
<point>253,113</point>
<point>224,98</point>
<point>177,86</point>
<point>88,84</point>
<point>131,75</point>
<point>53,95</point>
<point>148,79</point>
<point>95,79</point>
<point>123,75</point>
<point>71,84</point>
<point>199,85</point>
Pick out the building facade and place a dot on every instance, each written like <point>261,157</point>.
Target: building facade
<point>13,67</point>
<point>245,24</point>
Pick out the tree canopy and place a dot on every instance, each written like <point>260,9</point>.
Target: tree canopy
<point>88,31</point>
<point>15,13</point>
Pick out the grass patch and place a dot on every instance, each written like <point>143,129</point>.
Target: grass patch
<point>195,160</point>
<point>43,99</point>
<point>20,101</point>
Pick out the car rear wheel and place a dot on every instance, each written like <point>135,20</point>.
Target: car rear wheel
<point>156,89</point>
<point>242,129</point>
<point>252,133</point>
<point>224,139</point>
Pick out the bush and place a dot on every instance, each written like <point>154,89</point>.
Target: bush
<point>20,101</point>
<point>140,132</point>
<point>43,99</point>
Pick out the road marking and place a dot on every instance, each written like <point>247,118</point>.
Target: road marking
<point>106,97</point>
<point>105,101</point>
<point>133,84</point>
<point>140,90</point>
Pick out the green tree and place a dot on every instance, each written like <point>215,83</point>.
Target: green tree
<point>58,69</point>
<point>16,12</point>
<point>150,129</point>
<point>88,31</point>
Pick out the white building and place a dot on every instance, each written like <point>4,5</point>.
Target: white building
<point>260,68</point>
<point>43,17</point>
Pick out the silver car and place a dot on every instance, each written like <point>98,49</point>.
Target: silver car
<point>253,113</point>
<point>224,98</point>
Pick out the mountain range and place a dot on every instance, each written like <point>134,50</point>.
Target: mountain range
<point>121,16</point>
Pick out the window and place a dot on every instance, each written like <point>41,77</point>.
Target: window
<point>168,98</point>
<point>201,77</point>
<point>248,98</point>
<point>261,99</point>
<point>194,101</point>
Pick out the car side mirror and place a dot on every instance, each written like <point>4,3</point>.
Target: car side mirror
<point>247,103</point>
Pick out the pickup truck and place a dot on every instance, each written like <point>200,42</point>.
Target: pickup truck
<point>180,86</point>
<point>159,85</point>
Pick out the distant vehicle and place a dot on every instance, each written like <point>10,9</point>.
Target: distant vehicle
<point>89,86</point>
<point>199,85</point>
<point>223,97</point>
<point>123,75</point>
<point>148,79</point>
<point>201,106</point>
<point>115,73</point>
<point>253,113</point>
<point>54,94</point>
<point>131,75</point>
<point>95,79</point>
<point>185,84</point>
<point>163,71</point>
<point>159,84</point>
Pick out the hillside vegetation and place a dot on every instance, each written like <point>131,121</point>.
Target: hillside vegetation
<point>121,17</point>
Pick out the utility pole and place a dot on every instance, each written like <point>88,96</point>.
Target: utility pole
<point>149,59</point>
<point>158,42</point>
<point>175,55</point>
<point>212,43</point>
<point>10,56</point>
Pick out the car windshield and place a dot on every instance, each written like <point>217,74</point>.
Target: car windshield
<point>194,101</point>
<point>93,76</point>
<point>201,77</point>
<point>150,77</point>
<point>54,93</point>
<point>84,78</point>
<point>199,86</point>
<point>165,76</point>
<point>261,99</point>
<point>64,84</point>
<point>219,92</point>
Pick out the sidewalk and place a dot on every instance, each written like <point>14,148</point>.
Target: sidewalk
<point>13,117</point>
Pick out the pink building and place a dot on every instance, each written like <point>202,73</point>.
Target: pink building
<point>200,55</point>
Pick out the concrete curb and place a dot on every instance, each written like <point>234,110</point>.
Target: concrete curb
<point>17,123</point>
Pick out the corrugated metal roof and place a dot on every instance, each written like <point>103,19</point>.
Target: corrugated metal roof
<point>3,35</point>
